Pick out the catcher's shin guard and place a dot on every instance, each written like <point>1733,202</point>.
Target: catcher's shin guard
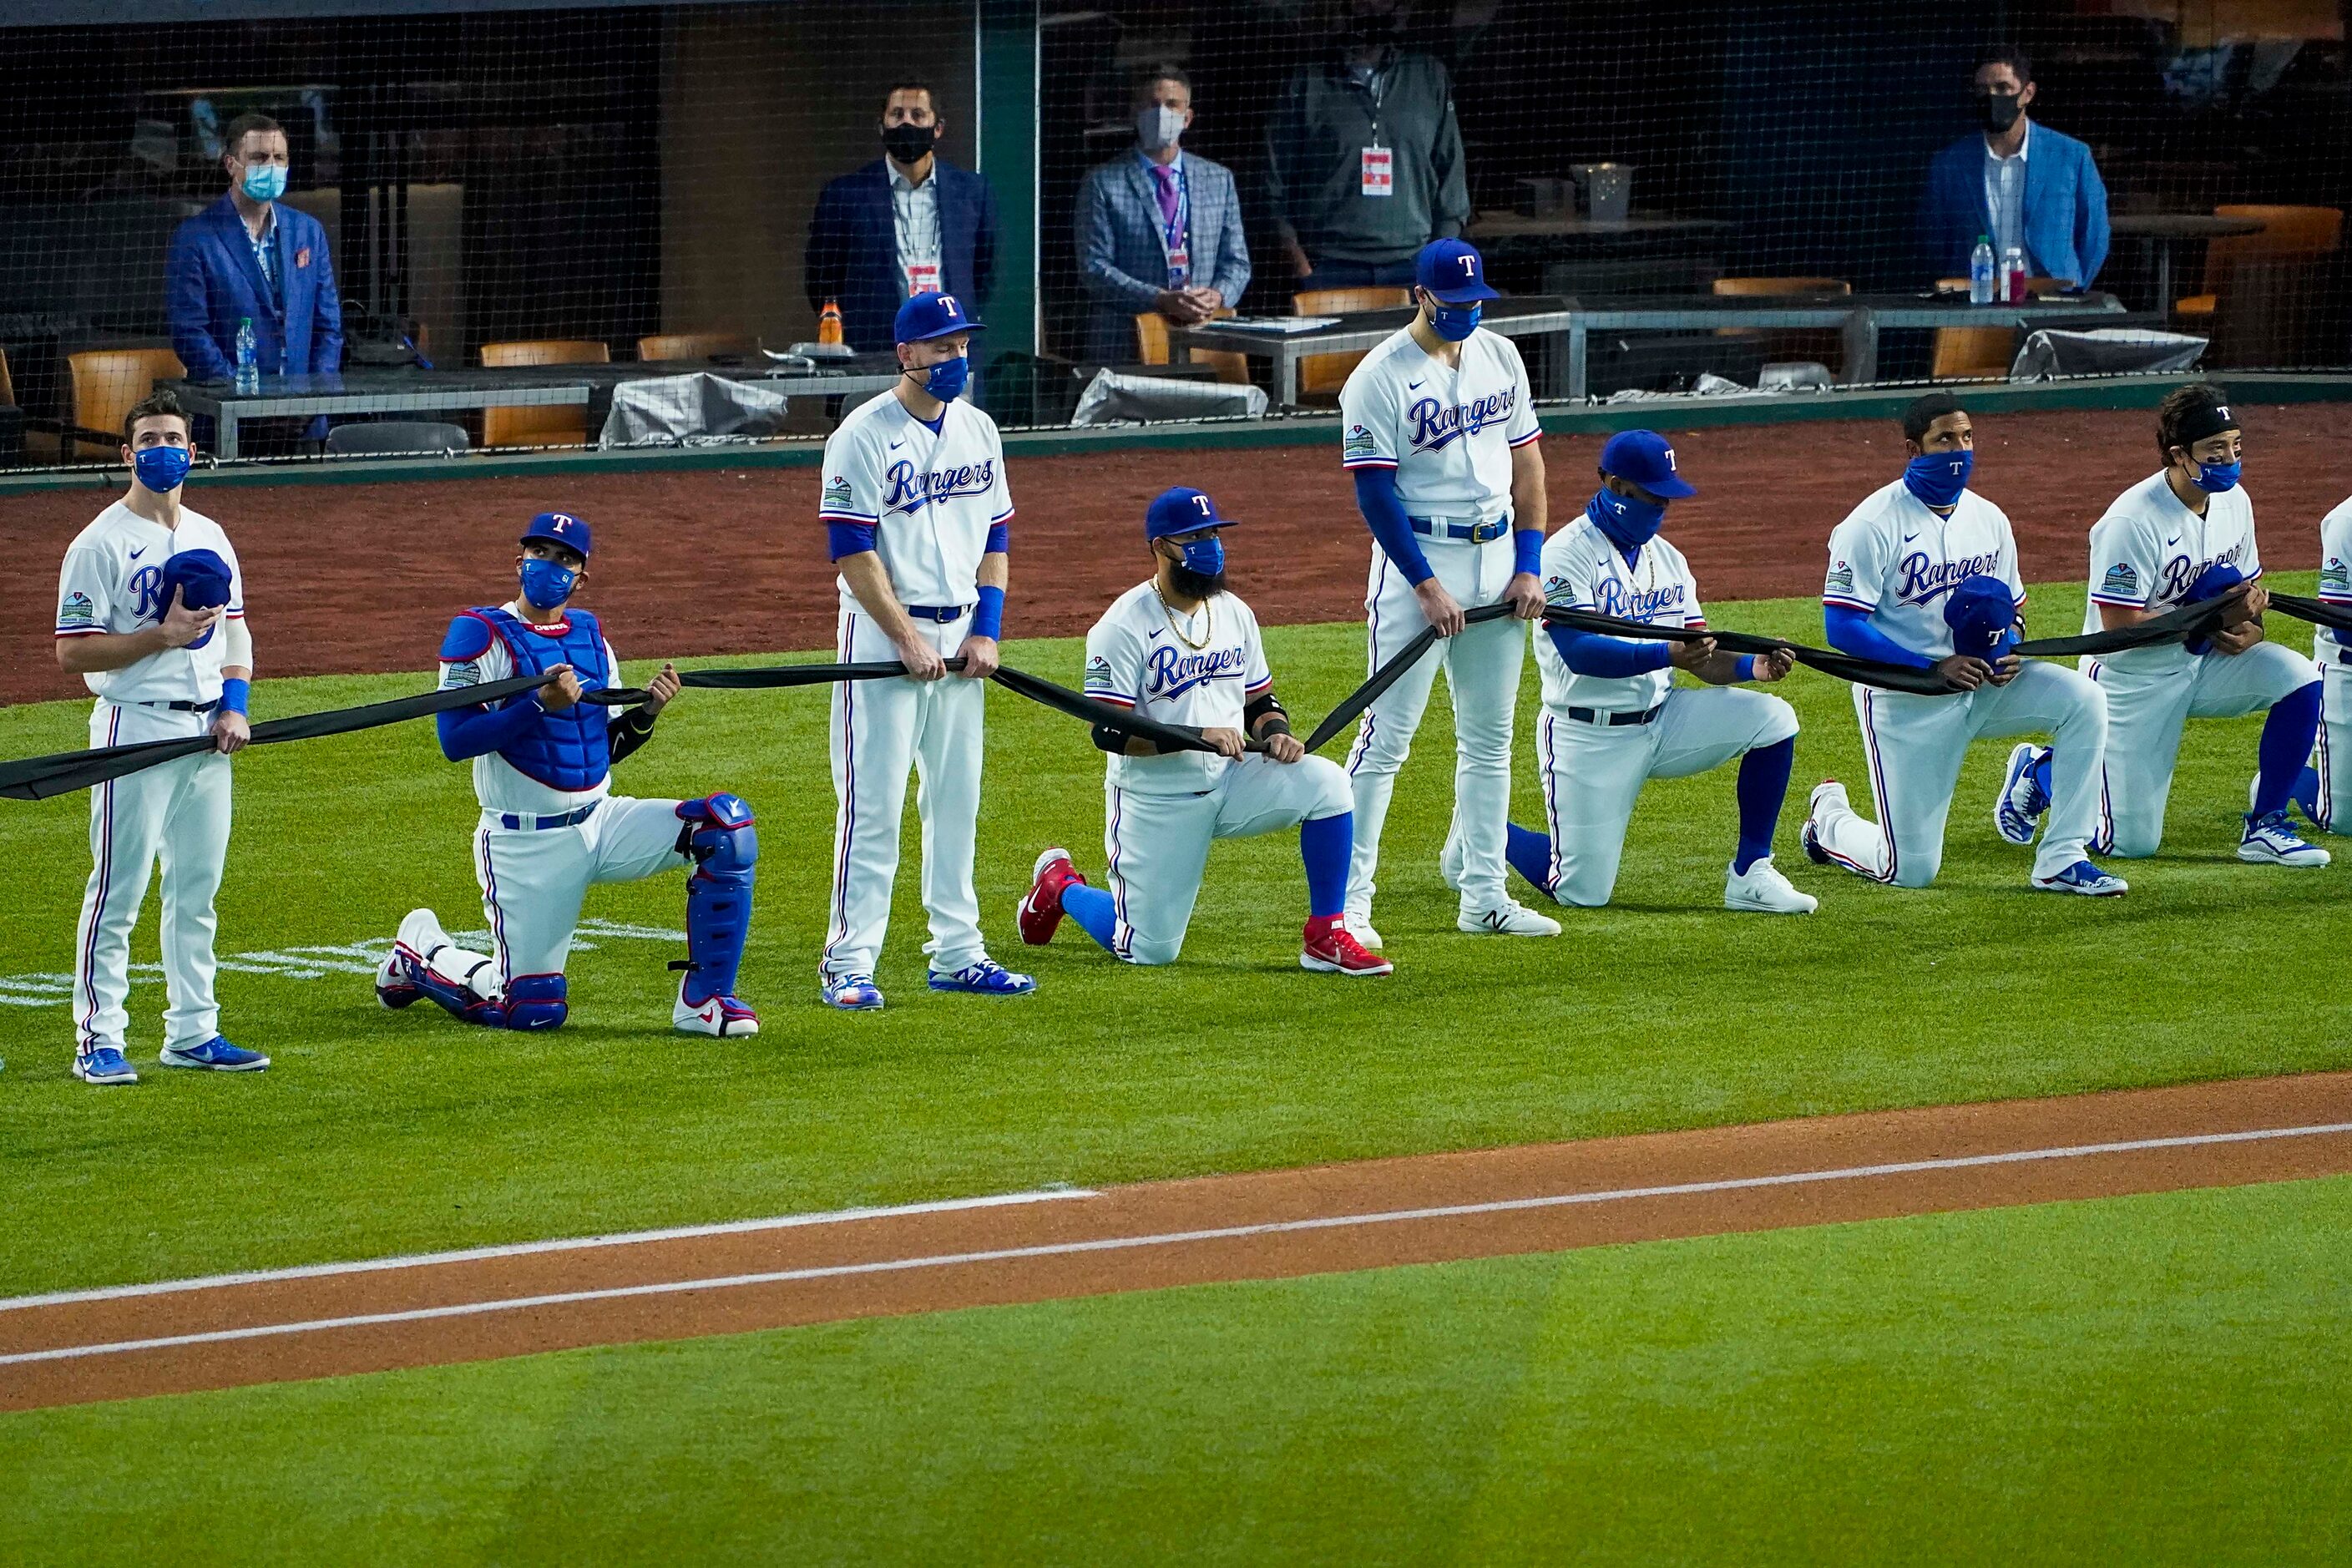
<point>719,839</point>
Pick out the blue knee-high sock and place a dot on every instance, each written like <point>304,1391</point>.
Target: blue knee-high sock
<point>1763,785</point>
<point>2306,792</point>
<point>1529,853</point>
<point>2287,735</point>
<point>1093,909</point>
<point>1325,844</point>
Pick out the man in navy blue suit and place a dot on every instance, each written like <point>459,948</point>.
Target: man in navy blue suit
<point>2018,183</point>
<point>909,223</point>
<point>251,256</point>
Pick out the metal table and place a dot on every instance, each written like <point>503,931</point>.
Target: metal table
<point>373,391</point>
<point>2160,233</point>
<point>1514,318</point>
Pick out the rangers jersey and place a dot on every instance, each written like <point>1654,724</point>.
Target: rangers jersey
<point>1584,570</point>
<point>1447,433</point>
<point>112,581</point>
<point>1896,559</point>
<point>2148,550</point>
<point>1200,670</point>
<point>930,496</point>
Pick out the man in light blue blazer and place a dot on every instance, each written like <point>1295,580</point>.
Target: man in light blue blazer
<point>1158,229</point>
<point>2017,182</point>
<point>250,256</point>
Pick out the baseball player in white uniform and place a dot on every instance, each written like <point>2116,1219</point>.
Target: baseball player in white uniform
<point>916,510</point>
<point>551,825</point>
<point>2323,789</point>
<point>1179,648</point>
<point>1612,717</point>
<point>1900,565</point>
<point>151,615</point>
<point>1440,433</point>
<point>2183,535</point>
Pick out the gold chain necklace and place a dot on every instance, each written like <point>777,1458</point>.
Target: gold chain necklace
<point>1209,624</point>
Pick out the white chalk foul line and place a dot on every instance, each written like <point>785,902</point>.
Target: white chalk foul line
<point>1169,1239</point>
<point>526,1249</point>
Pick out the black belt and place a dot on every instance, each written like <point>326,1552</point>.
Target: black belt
<point>1615,718</point>
<point>184,707</point>
<point>942,613</point>
<point>1476,533</point>
<point>524,822</point>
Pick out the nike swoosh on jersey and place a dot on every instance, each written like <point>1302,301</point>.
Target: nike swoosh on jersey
<point>1414,385</point>
<point>138,552</point>
<point>1155,633</point>
<point>896,445</point>
<point>1909,537</point>
<point>2167,544</point>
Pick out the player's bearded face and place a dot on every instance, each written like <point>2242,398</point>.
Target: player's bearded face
<point>1192,585</point>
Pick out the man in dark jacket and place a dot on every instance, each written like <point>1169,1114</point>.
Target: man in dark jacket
<point>250,256</point>
<point>909,223</point>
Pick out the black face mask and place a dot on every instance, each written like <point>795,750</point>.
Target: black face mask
<point>1192,585</point>
<point>907,143</point>
<point>1999,110</point>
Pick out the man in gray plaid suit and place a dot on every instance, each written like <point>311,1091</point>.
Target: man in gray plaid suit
<point>1158,229</point>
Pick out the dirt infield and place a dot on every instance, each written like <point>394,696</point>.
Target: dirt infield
<point>362,578</point>
<point>129,1342</point>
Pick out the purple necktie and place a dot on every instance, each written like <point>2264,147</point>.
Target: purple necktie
<point>1166,176</point>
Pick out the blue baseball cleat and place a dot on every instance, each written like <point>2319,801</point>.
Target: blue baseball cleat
<point>852,993</point>
<point>985,978</point>
<point>104,1065</point>
<point>2017,812</point>
<point>216,1055</point>
<point>2085,879</point>
<point>2272,841</point>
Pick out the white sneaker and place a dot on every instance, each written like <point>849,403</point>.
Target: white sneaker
<point>1361,928</point>
<point>722,1017</point>
<point>1766,891</point>
<point>1509,918</point>
<point>421,933</point>
<point>2272,841</point>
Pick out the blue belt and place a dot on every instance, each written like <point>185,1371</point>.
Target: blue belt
<point>1615,718</point>
<point>1476,533</point>
<point>524,822</point>
<point>942,613</point>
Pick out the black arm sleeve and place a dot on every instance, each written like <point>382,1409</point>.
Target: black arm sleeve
<point>629,730</point>
<point>1257,708</point>
<point>1109,740</point>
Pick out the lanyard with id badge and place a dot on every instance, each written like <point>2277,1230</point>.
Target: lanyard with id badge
<point>1174,235</point>
<point>1377,175</point>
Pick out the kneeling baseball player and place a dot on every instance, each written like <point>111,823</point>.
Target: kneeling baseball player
<point>551,825</point>
<point>1180,649</point>
<point>2325,788</point>
<point>1613,719</point>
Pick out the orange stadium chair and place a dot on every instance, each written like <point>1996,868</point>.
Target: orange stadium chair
<point>1827,347</point>
<point>1979,354</point>
<point>692,345</point>
<point>102,385</point>
<point>1322,375</point>
<point>565,426</point>
<point>1151,345</point>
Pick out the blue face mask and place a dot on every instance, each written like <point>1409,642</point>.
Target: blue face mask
<point>161,468</point>
<point>1205,556</point>
<point>945,380</point>
<point>2215,477</point>
<point>1938,478</point>
<point>547,583</point>
<point>1454,322</point>
<point>1628,521</point>
<point>265,182</point>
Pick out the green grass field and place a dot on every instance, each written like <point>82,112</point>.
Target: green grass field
<point>2145,1380</point>
<point>1831,1394</point>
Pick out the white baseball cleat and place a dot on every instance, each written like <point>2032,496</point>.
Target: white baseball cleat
<point>1359,926</point>
<point>2272,841</point>
<point>1509,918</point>
<point>421,933</point>
<point>721,1017</point>
<point>1763,890</point>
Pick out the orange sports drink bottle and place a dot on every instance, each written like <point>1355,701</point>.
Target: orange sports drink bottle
<point>828,323</point>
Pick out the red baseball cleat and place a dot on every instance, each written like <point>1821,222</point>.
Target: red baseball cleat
<point>1334,950</point>
<point>1041,908</point>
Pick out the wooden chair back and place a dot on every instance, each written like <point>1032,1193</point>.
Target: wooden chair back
<point>1979,354</point>
<point>565,426</point>
<point>692,345</point>
<point>1324,373</point>
<point>1151,348</point>
<point>101,385</point>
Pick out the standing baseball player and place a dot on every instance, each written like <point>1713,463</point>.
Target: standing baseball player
<point>1612,717</point>
<point>916,510</point>
<point>2183,535</point>
<point>551,825</point>
<point>1441,435</point>
<point>1179,649</point>
<point>151,615</point>
<point>2323,789</point>
<point>1923,572</point>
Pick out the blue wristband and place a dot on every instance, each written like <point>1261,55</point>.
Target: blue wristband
<point>1526,550</point>
<point>1747,666</point>
<point>988,616</point>
<point>236,695</point>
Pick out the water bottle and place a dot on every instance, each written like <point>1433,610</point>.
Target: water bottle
<point>2012,276</point>
<point>248,369</point>
<point>1980,279</point>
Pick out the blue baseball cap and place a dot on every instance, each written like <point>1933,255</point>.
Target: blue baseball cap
<point>559,528</point>
<point>1454,271</point>
<point>1181,511</point>
<point>1645,458</point>
<point>927,316</point>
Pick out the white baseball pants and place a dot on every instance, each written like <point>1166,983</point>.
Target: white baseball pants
<point>2332,757</point>
<point>1482,671</point>
<point>2145,709</point>
<point>1914,745</point>
<point>1158,845</point>
<point>534,879</point>
<point>880,728</point>
<point>178,811</point>
<point>1593,774</point>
